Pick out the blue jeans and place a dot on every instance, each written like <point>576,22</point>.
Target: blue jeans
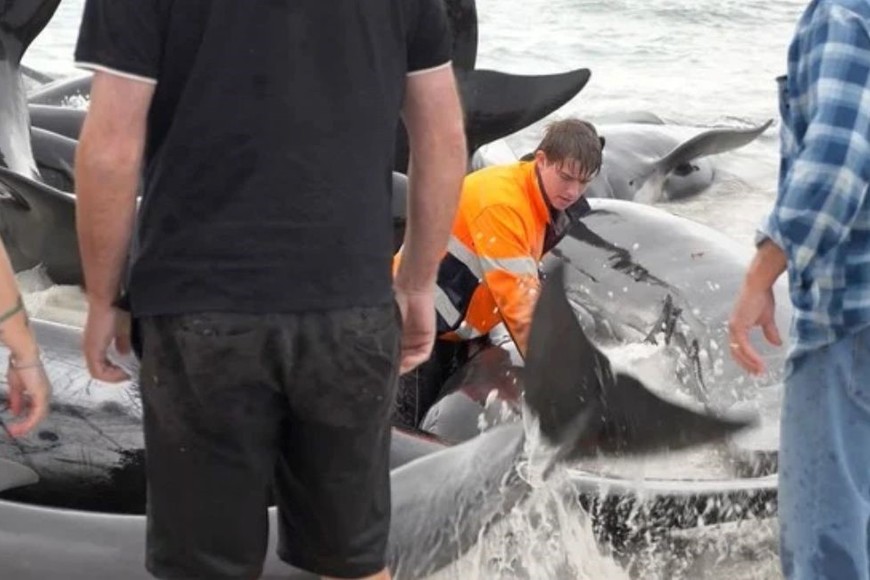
<point>824,463</point>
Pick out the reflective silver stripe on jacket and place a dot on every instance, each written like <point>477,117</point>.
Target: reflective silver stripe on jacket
<point>521,266</point>
<point>445,308</point>
<point>466,331</point>
<point>464,255</point>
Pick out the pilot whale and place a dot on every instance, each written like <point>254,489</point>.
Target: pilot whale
<point>443,500</point>
<point>641,162</point>
<point>637,274</point>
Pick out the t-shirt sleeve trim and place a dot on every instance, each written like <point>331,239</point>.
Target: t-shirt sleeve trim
<point>430,69</point>
<point>113,71</point>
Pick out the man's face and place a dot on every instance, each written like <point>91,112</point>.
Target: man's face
<point>563,182</point>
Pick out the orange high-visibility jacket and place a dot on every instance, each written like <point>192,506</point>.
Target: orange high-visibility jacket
<point>490,271</point>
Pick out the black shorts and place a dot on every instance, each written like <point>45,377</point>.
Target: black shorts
<point>240,409</point>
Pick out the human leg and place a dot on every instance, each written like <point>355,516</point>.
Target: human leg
<point>824,464</point>
<point>332,481</point>
<point>211,427</point>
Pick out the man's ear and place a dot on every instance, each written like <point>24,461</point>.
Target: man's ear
<point>602,141</point>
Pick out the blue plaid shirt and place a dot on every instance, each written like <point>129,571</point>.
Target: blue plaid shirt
<point>821,218</point>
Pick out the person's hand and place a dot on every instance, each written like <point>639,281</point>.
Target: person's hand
<point>29,394</point>
<point>418,327</point>
<point>755,306</point>
<point>105,325</point>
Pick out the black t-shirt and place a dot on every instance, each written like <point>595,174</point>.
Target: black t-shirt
<point>270,144</point>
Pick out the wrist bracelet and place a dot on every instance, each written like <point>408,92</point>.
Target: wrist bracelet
<point>31,365</point>
<point>27,366</point>
<point>19,307</point>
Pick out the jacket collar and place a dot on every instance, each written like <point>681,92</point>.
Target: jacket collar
<point>539,204</point>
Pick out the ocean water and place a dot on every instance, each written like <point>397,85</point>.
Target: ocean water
<point>696,64</point>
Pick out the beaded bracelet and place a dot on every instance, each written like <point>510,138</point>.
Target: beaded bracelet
<point>19,306</point>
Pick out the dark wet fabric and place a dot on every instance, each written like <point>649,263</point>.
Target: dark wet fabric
<point>271,144</point>
<point>421,388</point>
<point>240,407</point>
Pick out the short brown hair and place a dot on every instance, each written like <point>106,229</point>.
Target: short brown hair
<point>576,140</point>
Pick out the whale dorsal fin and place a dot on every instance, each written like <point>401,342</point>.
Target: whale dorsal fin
<point>499,104</point>
<point>20,22</point>
<point>462,15</point>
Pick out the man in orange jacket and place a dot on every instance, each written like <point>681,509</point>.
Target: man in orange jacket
<point>509,216</point>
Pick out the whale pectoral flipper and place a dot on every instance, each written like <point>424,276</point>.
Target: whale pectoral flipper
<point>14,474</point>
<point>567,379</point>
<point>37,224</point>
<point>710,142</point>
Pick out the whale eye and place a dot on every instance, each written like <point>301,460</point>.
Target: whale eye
<point>684,169</point>
<point>48,436</point>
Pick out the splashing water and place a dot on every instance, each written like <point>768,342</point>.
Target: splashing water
<point>547,536</point>
<point>48,301</point>
<point>550,536</point>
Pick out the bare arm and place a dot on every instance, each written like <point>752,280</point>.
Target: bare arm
<point>433,117</point>
<point>108,166</point>
<point>29,391</point>
<point>15,332</point>
<point>755,306</point>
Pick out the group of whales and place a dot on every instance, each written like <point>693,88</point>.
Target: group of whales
<point>87,456</point>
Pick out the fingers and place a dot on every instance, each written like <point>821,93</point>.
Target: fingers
<point>771,333</point>
<point>33,391</point>
<point>414,356</point>
<point>753,308</point>
<point>747,357</point>
<point>742,350</point>
<point>102,369</point>
<point>102,328</point>
<point>418,329</point>
<point>16,393</point>
<point>99,365</point>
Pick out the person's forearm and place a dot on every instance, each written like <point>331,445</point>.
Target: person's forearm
<point>15,332</point>
<point>433,117</point>
<point>767,265</point>
<point>434,183</point>
<point>107,179</point>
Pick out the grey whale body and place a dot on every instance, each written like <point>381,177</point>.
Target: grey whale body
<point>443,500</point>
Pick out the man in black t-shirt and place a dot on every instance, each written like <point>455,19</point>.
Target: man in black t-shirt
<point>259,277</point>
